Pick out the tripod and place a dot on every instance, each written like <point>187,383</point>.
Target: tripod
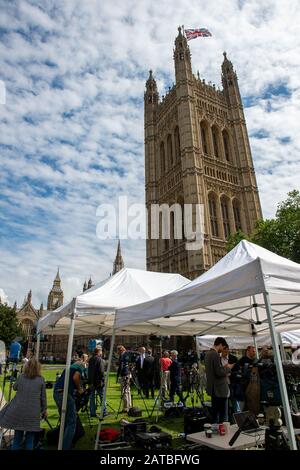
<point>98,400</point>
<point>10,367</point>
<point>195,391</point>
<point>126,390</point>
<point>10,375</point>
<point>158,403</point>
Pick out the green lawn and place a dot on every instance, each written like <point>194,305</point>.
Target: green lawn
<point>173,426</point>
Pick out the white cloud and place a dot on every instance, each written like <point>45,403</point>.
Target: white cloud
<point>73,121</point>
<point>3,296</point>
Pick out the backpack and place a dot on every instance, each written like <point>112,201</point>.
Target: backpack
<point>135,412</point>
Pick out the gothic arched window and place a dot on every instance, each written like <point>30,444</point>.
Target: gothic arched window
<point>162,158</point>
<point>225,216</point>
<point>170,150</point>
<point>215,138</point>
<point>212,203</point>
<point>177,143</point>
<point>237,214</point>
<point>226,145</point>
<point>27,327</point>
<point>204,139</point>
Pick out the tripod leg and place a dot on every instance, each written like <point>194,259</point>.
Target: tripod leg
<point>124,390</point>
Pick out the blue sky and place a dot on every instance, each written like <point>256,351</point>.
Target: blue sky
<point>72,126</point>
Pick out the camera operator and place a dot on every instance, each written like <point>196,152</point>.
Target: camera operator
<point>124,375</point>
<point>265,356</point>
<point>250,381</point>
<point>76,374</point>
<point>96,379</point>
<point>175,377</point>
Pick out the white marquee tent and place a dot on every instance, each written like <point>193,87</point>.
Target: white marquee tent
<point>290,338</point>
<point>93,312</point>
<point>95,308</point>
<point>249,290</point>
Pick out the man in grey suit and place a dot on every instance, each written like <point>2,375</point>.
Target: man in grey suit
<point>217,380</point>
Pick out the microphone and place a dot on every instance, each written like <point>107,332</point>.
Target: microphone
<point>234,437</point>
<point>238,432</point>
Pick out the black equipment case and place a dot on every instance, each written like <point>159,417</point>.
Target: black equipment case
<point>129,430</point>
<point>194,420</point>
<point>153,440</point>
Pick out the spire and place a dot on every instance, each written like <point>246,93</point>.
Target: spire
<point>15,305</point>
<point>57,278</point>
<point>84,286</point>
<point>29,296</point>
<point>56,295</point>
<point>182,58</point>
<point>151,93</point>
<point>118,263</point>
<point>230,83</point>
<point>227,67</point>
<point>90,283</point>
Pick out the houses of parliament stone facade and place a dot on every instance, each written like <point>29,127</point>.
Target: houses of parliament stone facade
<point>197,152</point>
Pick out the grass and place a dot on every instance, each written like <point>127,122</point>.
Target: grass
<point>173,426</point>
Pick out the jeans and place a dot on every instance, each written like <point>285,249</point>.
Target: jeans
<point>71,418</point>
<point>18,440</point>
<point>94,392</point>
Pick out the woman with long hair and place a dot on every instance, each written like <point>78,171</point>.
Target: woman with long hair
<point>24,412</point>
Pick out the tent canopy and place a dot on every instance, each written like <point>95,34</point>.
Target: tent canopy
<point>227,299</point>
<point>291,338</point>
<point>95,308</point>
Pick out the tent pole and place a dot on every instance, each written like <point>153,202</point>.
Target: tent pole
<point>280,374</point>
<point>255,345</point>
<point>37,349</point>
<point>282,350</point>
<point>106,384</point>
<point>67,378</point>
<point>198,352</point>
<point>253,327</point>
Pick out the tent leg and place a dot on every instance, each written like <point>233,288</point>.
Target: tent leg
<point>66,384</point>
<point>280,373</point>
<point>105,388</point>
<point>37,348</point>
<point>255,345</point>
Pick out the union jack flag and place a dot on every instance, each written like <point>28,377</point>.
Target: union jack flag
<point>194,33</point>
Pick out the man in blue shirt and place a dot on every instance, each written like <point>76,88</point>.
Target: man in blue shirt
<point>14,352</point>
<point>76,372</point>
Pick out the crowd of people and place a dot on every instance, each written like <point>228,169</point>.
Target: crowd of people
<point>142,371</point>
<point>231,384</point>
<point>234,385</point>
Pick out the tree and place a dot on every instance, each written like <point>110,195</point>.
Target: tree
<point>235,238</point>
<point>281,234</point>
<point>9,326</point>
